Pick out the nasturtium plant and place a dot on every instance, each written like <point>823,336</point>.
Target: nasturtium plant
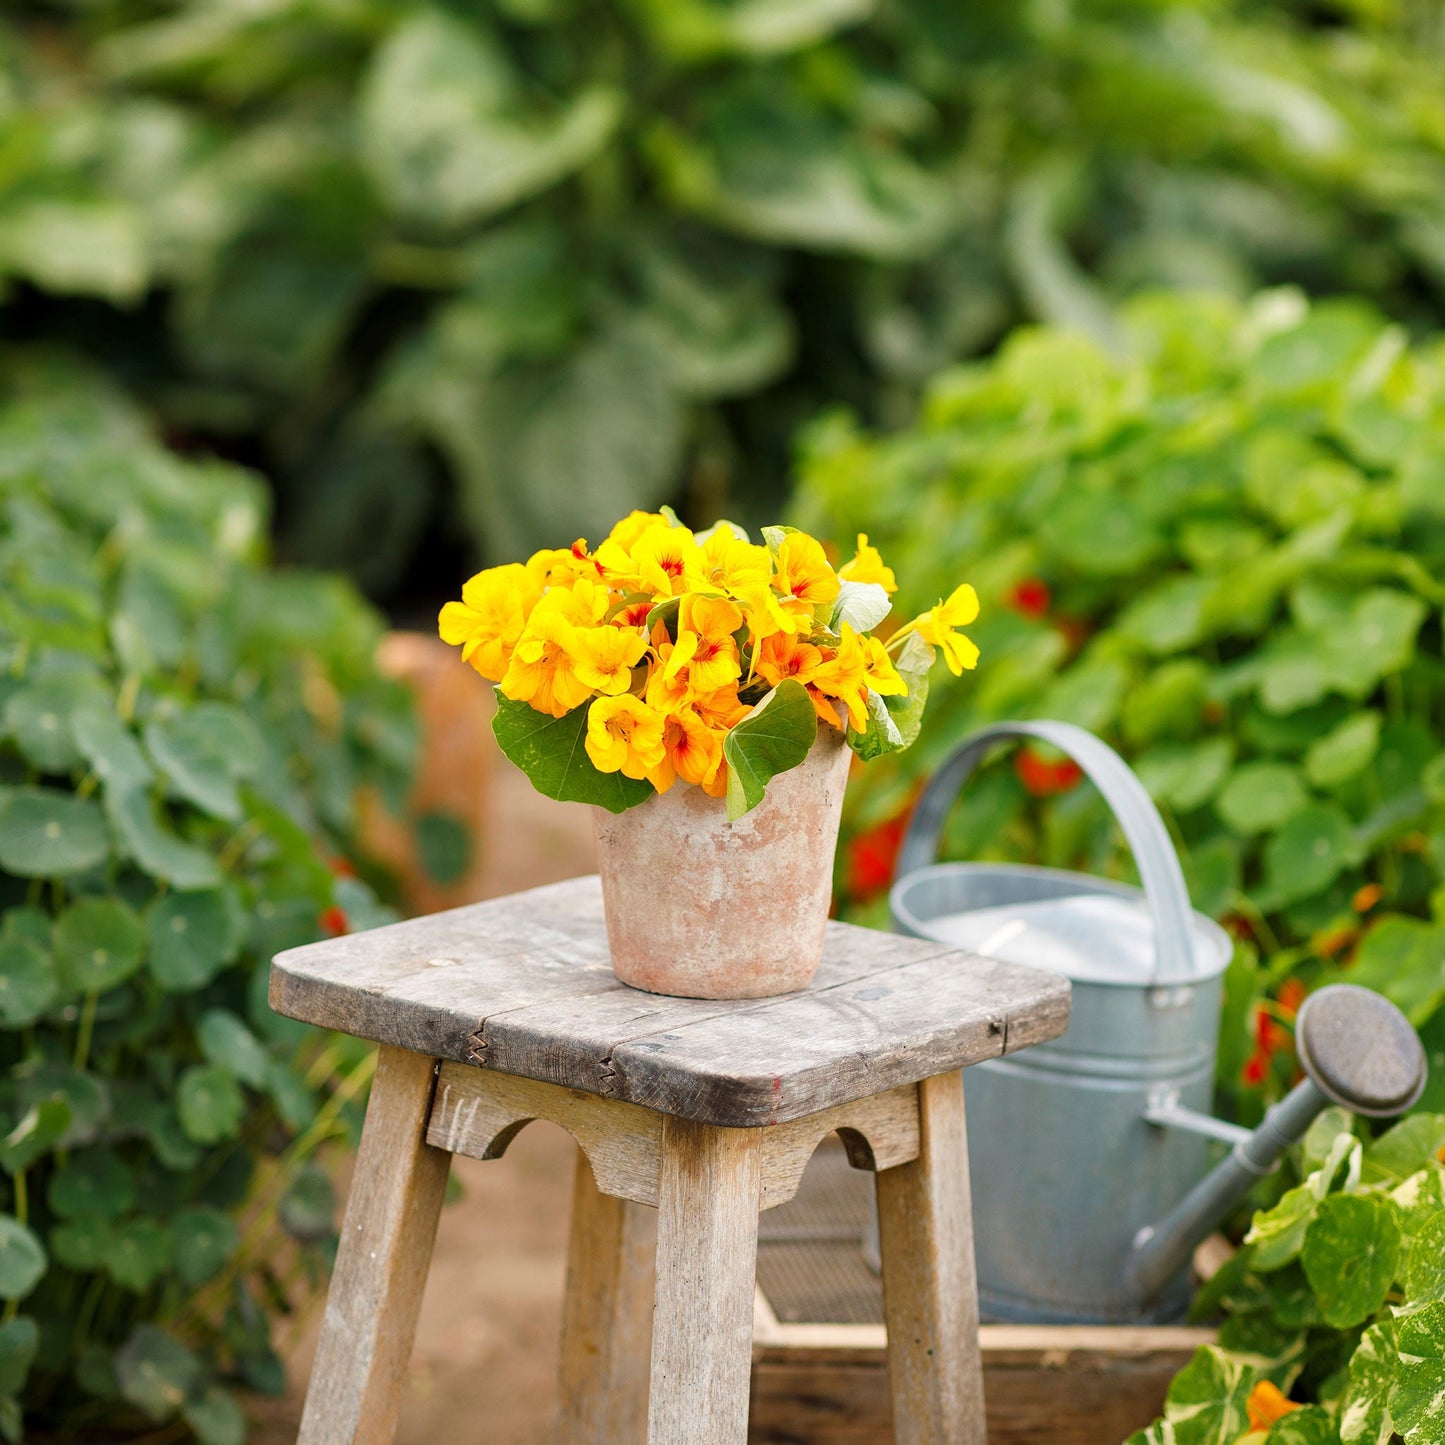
<point>182,734</point>
<point>706,659</point>
<point>1333,1326</point>
<point>541,260</point>
<point>1223,549</point>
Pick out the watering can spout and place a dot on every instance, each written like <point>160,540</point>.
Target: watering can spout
<point>1357,1049</point>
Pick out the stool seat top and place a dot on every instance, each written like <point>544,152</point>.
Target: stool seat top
<point>524,985</point>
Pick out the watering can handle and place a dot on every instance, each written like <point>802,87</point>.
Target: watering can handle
<point>1143,828</point>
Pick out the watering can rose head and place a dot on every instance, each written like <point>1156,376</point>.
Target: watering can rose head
<point>666,656</point>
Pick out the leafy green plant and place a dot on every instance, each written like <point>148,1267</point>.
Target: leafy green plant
<point>576,256</point>
<point>182,733</point>
<point>1224,552</point>
<point>1337,1300</point>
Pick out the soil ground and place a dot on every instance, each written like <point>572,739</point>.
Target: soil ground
<point>485,1361</point>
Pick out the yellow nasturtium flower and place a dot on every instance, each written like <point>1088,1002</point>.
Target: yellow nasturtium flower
<point>624,735</point>
<point>603,657</point>
<point>804,580</point>
<point>560,566</point>
<point>938,626</point>
<point>733,564</point>
<point>868,566</point>
<point>707,625</point>
<point>881,675</point>
<point>489,619</point>
<point>542,671</point>
<point>844,677</point>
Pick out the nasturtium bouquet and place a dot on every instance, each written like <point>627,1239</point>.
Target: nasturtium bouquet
<point>666,656</point>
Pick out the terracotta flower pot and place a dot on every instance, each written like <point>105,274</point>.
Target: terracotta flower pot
<point>703,908</point>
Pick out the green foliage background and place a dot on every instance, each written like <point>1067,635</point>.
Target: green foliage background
<point>1242,529</point>
<point>182,734</point>
<point>528,263</point>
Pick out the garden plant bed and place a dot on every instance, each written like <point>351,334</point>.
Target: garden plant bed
<point>819,1372</point>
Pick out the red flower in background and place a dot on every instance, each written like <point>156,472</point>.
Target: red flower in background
<point>872,857</point>
<point>1029,598</point>
<point>1270,1036</point>
<point>1044,779</point>
<point>335,921</point>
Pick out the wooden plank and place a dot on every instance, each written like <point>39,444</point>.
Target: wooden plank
<point>878,1133</point>
<point>707,1232</point>
<point>479,1112</point>
<point>809,1051</point>
<point>522,986</point>
<point>571,1040</point>
<point>930,1296</point>
<point>381,1264</point>
<point>606,1318</point>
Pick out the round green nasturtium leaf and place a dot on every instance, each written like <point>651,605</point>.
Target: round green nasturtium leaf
<point>1260,797</point>
<point>28,983</point>
<point>1309,852</point>
<point>95,1371</point>
<point>1309,1426</point>
<point>82,1243</point>
<point>193,936</point>
<point>215,1417</point>
<point>229,1044</point>
<point>210,1102</point>
<point>47,833</point>
<point>1186,775</point>
<point>1351,1252</point>
<point>1210,1392</point>
<point>86,1096</point>
<point>444,846</point>
<point>19,1339</point>
<point>1417,1402</point>
<point>197,771</point>
<point>156,1372</point>
<point>1425,1266</point>
<point>203,1239</point>
<point>92,1182</point>
<point>1343,752</point>
<point>139,1253</point>
<point>22,1259</point>
<point>40,1129</point>
<point>38,717</point>
<point>98,944</point>
<point>308,1210</point>
<point>111,749</point>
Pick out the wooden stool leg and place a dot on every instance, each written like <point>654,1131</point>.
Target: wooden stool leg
<point>606,1317</point>
<point>707,1240</point>
<point>381,1265</point>
<point>930,1294</point>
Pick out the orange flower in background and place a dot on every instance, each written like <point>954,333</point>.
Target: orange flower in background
<point>489,619</point>
<point>868,566</point>
<point>692,751</point>
<point>1292,993</point>
<point>1266,1405</point>
<point>624,735</point>
<point>1366,897</point>
<point>1044,779</point>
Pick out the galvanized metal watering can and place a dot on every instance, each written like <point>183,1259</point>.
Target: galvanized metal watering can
<point>1089,1155</point>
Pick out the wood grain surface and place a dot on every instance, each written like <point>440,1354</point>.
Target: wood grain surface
<point>522,985</point>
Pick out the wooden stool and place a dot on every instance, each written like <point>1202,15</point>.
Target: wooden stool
<point>494,1015</point>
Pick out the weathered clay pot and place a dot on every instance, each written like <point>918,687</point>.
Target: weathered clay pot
<point>703,908</point>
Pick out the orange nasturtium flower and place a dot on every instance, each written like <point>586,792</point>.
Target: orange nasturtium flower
<point>624,735</point>
<point>868,566</point>
<point>939,625</point>
<point>1266,1404</point>
<point>782,655</point>
<point>692,751</point>
<point>489,619</point>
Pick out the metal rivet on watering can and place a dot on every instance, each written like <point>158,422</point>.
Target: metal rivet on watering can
<point>1089,1154</point>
